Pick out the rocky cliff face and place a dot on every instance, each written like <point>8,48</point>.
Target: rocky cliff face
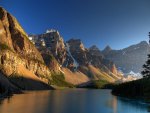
<point>50,60</point>
<point>53,41</point>
<point>91,56</point>
<point>5,36</point>
<point>74,56</point>
<point>17,53</point>
<point>129,59</point>
<point>15,38</point>
<point>77,52</point>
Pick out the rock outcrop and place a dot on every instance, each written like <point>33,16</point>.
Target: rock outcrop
<point>53,41</point>
<point>18,55</point>
<point>77,52</point>
<point>50,60</point>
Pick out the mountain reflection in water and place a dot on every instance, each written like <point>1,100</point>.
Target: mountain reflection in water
<point>70,101</point>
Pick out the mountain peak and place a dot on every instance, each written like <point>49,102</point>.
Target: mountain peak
<point>143,43</point>
<point>74,40</point>
<point>107,48</point>
<point>94,50</point>
<point>76,44</point>
<point>93,47</point>
<point>2,9</point>
<point>51,30</point>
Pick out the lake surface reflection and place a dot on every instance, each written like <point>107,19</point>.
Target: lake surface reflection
<point>70,101</point>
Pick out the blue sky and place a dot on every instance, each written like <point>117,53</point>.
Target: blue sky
<point>118,23</point>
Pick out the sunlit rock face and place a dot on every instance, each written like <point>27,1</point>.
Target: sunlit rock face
<point>18,56</point>
<point>129,59</point>
<point>15,41</point>
<point>15,37</point>
<point>5,36</point>
<point>71,54</point>
<point>53,41</point>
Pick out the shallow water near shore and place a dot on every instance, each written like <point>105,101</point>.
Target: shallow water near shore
<point>70,101</point>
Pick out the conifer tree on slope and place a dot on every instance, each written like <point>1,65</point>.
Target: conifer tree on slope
<point>146,66</point>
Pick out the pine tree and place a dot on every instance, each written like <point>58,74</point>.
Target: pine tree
<point>146,66</point>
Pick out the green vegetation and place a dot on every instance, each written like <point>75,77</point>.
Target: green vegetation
<point>59,80</point>
<point>55,79</point>
<point>146,66</point>
<point>139,89</point>
<point>99,84</point>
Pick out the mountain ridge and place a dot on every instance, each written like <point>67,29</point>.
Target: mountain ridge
<point>130,58</point>
<point>108,52</point>
<point>73,54</point>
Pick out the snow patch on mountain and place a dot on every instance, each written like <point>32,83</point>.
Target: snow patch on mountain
<point>131,76</point>
<point>136,47</point>
<point>50,30</point>
<point>75,63</point>
<point>135,74</point>
<point>60,69</point>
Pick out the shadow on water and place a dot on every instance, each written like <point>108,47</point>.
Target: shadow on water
<point>148,108</point>
<point>69,101</point>
<point>139,104</point>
